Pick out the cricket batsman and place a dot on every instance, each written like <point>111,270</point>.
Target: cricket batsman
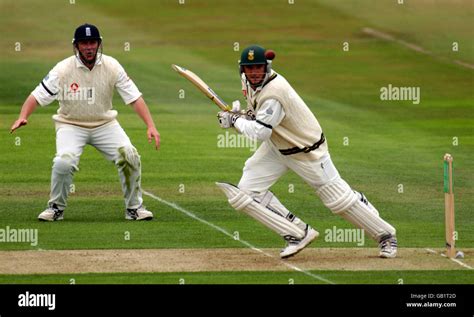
<point>84,86</point>
<point>292,140</point>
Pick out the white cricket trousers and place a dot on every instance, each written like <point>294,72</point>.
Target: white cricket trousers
<point>112,141</point>
<point>267,165</point>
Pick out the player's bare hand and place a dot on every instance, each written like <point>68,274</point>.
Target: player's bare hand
<point>18,123</point>
<point>153,134</point>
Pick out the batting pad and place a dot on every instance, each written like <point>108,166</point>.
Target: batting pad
<point>269,201</point>
<point>342,200</point>
<point>243,202</point>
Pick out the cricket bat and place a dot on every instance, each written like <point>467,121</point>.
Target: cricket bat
<point>199,83</point>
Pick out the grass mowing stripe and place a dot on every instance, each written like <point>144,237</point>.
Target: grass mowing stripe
<point>222,230</point>
<point>393,277</point>
<point>414,47</point>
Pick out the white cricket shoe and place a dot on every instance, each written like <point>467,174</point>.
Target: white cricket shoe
<point>295,246</point>
<point>138,214</point>
<point>52,213</point>
<point>388,248</point>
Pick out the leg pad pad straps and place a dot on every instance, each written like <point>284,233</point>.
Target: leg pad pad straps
<point>354,207</point>
<point>243,202</point>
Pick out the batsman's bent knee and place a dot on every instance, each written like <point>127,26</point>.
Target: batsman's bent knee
<point>337,196</point>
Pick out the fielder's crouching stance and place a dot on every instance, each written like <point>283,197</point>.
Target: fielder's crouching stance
<point>292,139</point>
<point>84,85</point>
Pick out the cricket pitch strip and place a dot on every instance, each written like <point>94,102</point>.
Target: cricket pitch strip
<point>224,260</point>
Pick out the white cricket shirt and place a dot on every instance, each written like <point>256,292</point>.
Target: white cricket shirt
<point>85,96</point>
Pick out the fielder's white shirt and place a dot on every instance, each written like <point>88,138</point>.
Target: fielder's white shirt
<point>85,96</point>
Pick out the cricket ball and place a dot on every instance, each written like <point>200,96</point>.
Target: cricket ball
<point>270,54</point>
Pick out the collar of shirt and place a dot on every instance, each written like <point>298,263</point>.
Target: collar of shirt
<point>98,61</point>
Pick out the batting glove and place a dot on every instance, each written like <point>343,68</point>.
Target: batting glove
<point>250,114</point>
<point>227,119</point>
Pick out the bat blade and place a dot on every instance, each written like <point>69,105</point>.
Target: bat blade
<point>202,86</point>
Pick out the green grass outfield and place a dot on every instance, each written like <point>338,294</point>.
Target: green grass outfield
<point>390,144</point>
<point>338,277</point>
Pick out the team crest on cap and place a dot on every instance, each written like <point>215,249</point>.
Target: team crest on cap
<point>251,55</point>
<point>88,31</point>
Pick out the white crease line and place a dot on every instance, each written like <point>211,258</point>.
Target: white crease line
<point>462,263</point>
<point>416,48</point>
<point>391,38</point>
<point>454,260</point>
<point>464,64</point>
<point>191,215</point>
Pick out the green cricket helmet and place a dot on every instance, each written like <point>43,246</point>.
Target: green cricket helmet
<point>253,55</point>
<point>256,55</point>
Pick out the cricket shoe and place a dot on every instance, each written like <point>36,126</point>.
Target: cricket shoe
<point>294,246</point>
<point>388,247</point>
<point>52,213</point>
<point>139,213</point>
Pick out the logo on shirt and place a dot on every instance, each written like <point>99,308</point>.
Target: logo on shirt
<point>74,87</point>
<point>74,93</point>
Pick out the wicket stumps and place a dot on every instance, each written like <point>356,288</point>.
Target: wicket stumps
<point>449,205</point>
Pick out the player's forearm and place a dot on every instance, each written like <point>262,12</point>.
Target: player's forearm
<point>142,110</point>
<point>269,116</point>
<point>28,107</point>
<point>252,129</point>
